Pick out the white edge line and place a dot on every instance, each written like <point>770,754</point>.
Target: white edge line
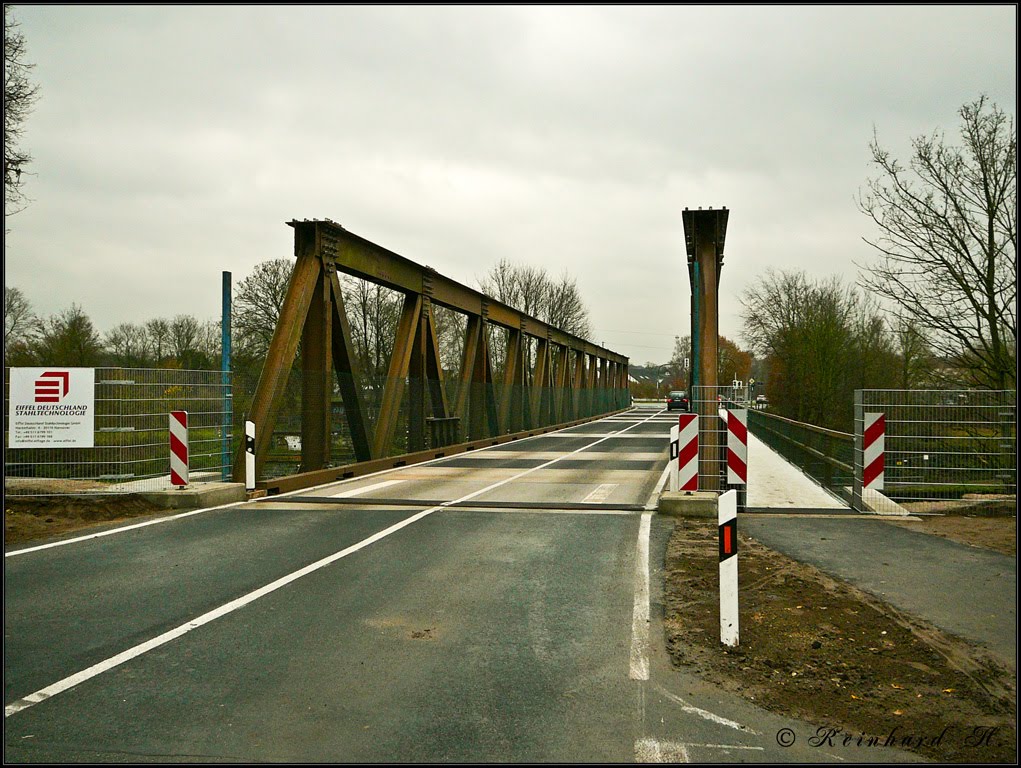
<point>706,714</point>
<point>640,615</point>
<point>122,529</point>
<point>131,653</point>
<point>365,489</point>
<point>276,497</point>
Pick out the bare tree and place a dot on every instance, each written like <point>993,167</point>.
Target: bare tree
<point>532,291</point>
<point>733,363</point>
<point>128,345</point>
<point>258,300</point>
<point>679,367</point>
<point>948,242</point>
<point>20,95</point>
<point>821,341</point>
<point>157,333</point>
<point>916,363</point>
<point>373,312</point>
<point>21,326</point>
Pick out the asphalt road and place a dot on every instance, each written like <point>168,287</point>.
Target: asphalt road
<point>383,619</point>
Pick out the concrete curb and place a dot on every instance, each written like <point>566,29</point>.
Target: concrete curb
<point>197,496</point>
<point>688,504</point>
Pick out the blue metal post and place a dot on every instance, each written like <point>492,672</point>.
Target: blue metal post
<point>694,335</point>
<point>228,409</point>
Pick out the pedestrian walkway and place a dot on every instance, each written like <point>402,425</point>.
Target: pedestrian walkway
<point>964,590</point>
<point>775,483</point>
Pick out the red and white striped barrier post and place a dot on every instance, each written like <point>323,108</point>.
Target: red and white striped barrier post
<point>874,449</point>
<point>179,448</point>
<point>728,568</point>
<point>687,452</point>
<point>737,446</point>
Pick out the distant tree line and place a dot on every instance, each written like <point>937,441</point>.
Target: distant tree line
<point>821,340</point>
<point>70,338</point>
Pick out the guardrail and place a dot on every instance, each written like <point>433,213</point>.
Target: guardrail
<point>825,455</point>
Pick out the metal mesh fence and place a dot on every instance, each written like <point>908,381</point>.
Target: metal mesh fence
<point>131,450</point>
<point>943,444</point>
<point>709,402</point>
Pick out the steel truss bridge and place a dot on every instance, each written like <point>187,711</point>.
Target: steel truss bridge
<point>549,378</point>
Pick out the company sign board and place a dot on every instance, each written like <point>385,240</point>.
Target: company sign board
<point>52,408</point>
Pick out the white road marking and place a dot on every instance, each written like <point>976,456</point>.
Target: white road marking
<point>654,751</point>
<point>653,501</point>
<point>600,494</point>
<point>705,714</point>
<point>640,615</point>
<point>112,531</point>
<point>365,489</point>
<point>131,653</point>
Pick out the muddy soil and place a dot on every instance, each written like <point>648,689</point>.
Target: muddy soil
<point>34,518</point>
<point>998,533</point>
<point>822,651</point>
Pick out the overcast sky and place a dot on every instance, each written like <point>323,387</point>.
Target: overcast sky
<point>173,143</point>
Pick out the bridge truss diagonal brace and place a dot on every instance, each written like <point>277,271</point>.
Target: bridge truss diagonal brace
<point>562,385</point>
<point>313,316</point>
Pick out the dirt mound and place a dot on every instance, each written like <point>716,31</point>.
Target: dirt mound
<point>823,651</point>
<point>30,518</point>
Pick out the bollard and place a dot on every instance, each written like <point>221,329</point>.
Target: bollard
<point>728,569</point>
<point>179,448</point>
<point>249,455</point>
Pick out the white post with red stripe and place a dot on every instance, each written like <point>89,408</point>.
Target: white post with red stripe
<point>874,449</point>
<point>687,452</point>
<point>727,514</point>
<point>179,448</point>
<point>737,446</point>
<point>674,445</point>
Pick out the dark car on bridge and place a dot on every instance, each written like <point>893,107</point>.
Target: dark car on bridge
<point>678,399</point>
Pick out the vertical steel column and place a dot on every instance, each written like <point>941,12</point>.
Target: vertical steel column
<point>540,409</point>
<point>578,394</point>
<point>473,333</point>
<point>228,406</point>
<point>345,363</point>
<point>560,391</point>
<point>317,375</point>
<point>512,399</point>
<point>705,233</point>
<point>400,361</point>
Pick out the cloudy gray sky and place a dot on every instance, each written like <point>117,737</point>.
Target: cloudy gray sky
<point>172,143</point>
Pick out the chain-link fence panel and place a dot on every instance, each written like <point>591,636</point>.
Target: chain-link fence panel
<point>131,446</point>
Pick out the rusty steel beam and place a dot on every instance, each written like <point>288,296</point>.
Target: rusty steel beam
<point>317,377</point>
<point>362,258</point>
<point>280,355</point>
<point>705,233</point>
<point>313,316</point>
<point>541,385</point>
<point>513,401</point>
<point>400,362</point>
<point>345,363</point>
